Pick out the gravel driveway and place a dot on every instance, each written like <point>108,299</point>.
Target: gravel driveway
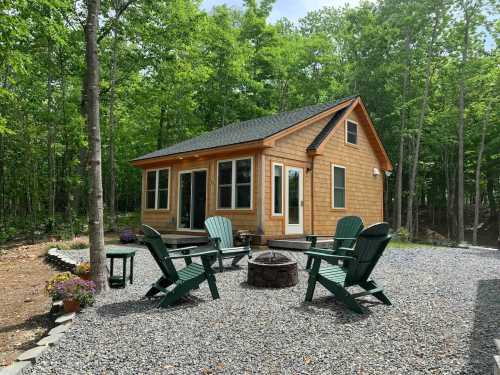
<point>445,313</point>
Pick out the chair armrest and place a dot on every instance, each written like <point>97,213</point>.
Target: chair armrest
<point>182,249</point>
<point>328,256</point>
<point>321,250</point>
<point>200,254</point>
<point>344,238</point>
<point>346,248</point>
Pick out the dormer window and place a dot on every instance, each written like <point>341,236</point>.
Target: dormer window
<point>351,135</point>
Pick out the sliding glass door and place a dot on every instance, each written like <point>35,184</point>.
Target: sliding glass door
<point>192,199</point>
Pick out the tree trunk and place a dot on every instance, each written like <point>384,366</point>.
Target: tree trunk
<point>401,156</point>
<point>477,200</point>
<point>96,215</point>
<point>112,124</point>
<point>423,111</point>
<point>162,127</point>
<point>50,138</point>
<point>461,125</point>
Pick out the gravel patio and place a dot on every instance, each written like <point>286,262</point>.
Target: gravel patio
<point>445,314</point>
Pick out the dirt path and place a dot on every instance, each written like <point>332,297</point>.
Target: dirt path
<point>24,306</point>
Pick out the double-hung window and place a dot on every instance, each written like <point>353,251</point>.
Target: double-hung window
<point>277,185</point>
<point>157,188</point>
<point>338,186</point>
<point>234,184</point>
<point>351,135</point>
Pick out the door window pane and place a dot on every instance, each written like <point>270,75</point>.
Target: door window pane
<point>293,197</point>
<point>199,199</point>
<point>278,188</point>
<point>338,187</point>
<point>185,201</point>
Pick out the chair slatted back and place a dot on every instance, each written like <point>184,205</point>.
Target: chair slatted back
<point>348,226</point>
<point>218,226</point>
<point>369,247</point>
<point>157,248</point>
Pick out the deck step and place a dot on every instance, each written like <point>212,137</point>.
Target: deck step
<point>298,244</point>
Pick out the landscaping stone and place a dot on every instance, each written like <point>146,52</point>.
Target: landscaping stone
<point>60,328</point>
<point>32,354</point>
<point>497,344</point>
<point>66,318</point>
<point>15,368</point>
<point>50,339</point>
<point>496,365</point>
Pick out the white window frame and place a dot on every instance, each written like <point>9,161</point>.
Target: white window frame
<point>233,184</point>
<point>157,172</point>
<point>347,131</point>
<point>185,171</point>
<point>333,187</point>
<point>273,213</point>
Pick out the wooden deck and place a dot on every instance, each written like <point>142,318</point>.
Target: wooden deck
<point>297,244</point>
<point>180,240</point>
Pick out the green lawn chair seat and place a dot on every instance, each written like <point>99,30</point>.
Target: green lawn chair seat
<point>183,280</point>
<point>346,232</point>
<point>220,231</point>
<point>368,249</point>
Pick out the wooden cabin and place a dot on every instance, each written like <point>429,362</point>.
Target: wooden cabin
<point>279,176</point>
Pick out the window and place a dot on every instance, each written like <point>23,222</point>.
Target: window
<point>351,132</point>
<point>338,188</point>
<point>157,186</point>
<point>234,183</point>
<point>277,183</point>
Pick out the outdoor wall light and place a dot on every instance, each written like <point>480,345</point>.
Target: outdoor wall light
<point>376,172</point>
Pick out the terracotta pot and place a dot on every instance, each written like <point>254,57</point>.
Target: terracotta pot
<point>85,276</point>
<point>71,305</point>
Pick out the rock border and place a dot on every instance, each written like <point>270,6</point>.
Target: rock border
<point>62,321</point>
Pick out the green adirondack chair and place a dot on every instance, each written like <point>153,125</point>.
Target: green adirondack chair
<point>220,231</point>
<point>346,232</point>
<point>184,280</point>
<point>369,247</point>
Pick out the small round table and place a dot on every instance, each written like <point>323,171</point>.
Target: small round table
<point>120,253</point>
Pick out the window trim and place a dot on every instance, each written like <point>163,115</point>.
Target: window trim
<point>347,132</point>
<point>333,186</point>
<point>273,164</point>
<point>169,188</point>
<point>233,185</point>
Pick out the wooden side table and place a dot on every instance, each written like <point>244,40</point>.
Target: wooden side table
<point>120,253</point>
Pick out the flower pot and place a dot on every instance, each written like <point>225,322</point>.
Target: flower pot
<point>71,305</point>
<point>85,276</point>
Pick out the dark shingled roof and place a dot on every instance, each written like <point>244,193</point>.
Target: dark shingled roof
<point>328,128</point>
<point>245,131</point>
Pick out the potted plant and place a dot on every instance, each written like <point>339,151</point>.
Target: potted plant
<point>50,287</point>
<point>82,269</point>
<point>75,293</point>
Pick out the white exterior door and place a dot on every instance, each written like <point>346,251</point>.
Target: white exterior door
<point>294,201</point>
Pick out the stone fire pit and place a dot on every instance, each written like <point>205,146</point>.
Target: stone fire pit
<point>272,270</point>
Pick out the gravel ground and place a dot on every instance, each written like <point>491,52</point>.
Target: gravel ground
<point>445,313</point>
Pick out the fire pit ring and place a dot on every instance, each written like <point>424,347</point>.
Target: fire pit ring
<point>272,270</point>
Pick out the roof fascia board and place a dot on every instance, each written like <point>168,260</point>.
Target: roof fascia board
<point>247,146</point>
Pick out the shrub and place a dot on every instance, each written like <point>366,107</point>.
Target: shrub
<point>403,234</point>
<point>81,290</point>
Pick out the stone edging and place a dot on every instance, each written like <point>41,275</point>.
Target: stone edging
<point>63,322</point>
<point>496,358</point>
